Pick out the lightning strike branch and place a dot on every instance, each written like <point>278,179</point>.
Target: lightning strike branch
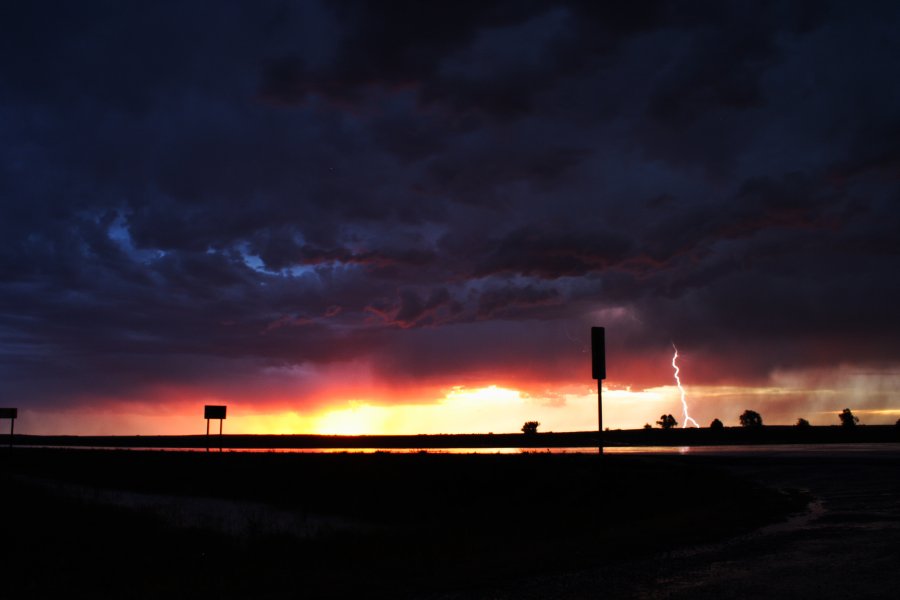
<point>684,407</point>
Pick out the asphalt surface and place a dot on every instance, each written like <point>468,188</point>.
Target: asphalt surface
<point>846,545</point>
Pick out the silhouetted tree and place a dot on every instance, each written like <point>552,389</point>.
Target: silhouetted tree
<point>751,418</point>
<point>716,424</point>
<point>848,419</point>
<point>530,427</point>
<point>802,423</point>
<point>649,426</point>
<point>667,421</point>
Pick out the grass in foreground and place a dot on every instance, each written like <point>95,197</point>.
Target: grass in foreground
<point>419,523</point>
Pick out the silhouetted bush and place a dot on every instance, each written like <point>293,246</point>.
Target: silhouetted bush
<point>716,424</point>
<point>848,419</point>
<point>667,421</point>
<point>649,426</point>
<point>802,423</point>
<point>751,418</point>
<point>530,427</point>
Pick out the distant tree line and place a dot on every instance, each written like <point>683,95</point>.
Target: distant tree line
<point>749,418</point>
<point>752,419</point>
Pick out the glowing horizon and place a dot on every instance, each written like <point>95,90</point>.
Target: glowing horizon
<point>461,409</point>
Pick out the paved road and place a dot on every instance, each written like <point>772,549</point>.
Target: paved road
<point>846,546</point>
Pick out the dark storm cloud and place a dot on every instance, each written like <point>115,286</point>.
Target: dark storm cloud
<point>544,253</point>
<point>411,309</point>
<point>395,45</point>
<point>195,194</point>
<point>497,301</point>
<point>280,249</point>
<point>490,57</point>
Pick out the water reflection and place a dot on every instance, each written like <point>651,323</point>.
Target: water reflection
<point>768,449</point>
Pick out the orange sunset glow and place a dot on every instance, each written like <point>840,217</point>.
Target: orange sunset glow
<point>460,409</point>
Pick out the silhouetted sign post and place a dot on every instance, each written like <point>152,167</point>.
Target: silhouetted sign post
<point>598,371</point>
<point>213,411</point>
<point>11,414</point>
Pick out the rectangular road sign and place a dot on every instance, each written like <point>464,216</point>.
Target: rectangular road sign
<point>9,413</point>
<point>212,411</point>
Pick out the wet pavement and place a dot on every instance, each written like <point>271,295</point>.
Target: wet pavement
<point>846,545</point>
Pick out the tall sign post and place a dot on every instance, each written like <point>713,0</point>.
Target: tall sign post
<point>598,371</point>
<point>213,411</point>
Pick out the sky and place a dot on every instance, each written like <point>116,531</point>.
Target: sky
<point>404,217</point>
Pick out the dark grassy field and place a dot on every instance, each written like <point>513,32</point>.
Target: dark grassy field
<point>112,523</point>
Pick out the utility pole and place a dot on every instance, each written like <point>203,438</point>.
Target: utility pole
<point>598,371</point>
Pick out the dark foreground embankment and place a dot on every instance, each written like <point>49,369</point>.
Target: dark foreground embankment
<point>845,546</point>
<point>240,525</point>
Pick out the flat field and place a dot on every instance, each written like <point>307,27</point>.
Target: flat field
<point>111,523</point>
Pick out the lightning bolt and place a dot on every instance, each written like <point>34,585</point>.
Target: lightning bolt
<point>684,407</point>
